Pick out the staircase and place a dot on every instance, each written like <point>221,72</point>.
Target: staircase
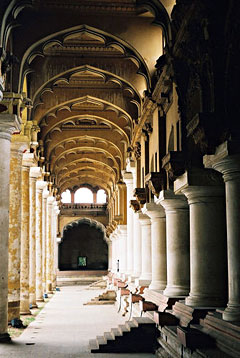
<point>108,297</point>
<point>136,336</point>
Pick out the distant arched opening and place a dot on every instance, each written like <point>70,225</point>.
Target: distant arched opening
<point>83,246</point>
<point>83,195</point>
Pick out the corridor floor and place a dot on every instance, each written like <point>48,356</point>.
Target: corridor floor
<point>64,327</point>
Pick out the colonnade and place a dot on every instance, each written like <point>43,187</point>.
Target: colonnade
<point>28,227</point>
<point>185,242</point>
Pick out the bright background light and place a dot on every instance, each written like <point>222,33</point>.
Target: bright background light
<point>83,195</point>
<point>66,197</point>
<point>101,197</point>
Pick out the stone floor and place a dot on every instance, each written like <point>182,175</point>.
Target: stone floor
<point>64,326</point>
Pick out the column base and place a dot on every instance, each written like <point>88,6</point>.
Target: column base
<point>157,285</point>
<point>175,291</point>
<point>5,338</point>
<point>142,282</point>
<point>232,313</point>
<point>40,300</point>
<point>26,312</point>
<point>203,301</point>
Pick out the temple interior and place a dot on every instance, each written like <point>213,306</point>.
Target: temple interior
<point>120,158</point>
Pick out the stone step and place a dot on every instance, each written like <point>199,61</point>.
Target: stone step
<point>136,336</point>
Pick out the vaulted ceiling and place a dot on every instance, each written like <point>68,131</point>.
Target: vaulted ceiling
<point>86,65</point>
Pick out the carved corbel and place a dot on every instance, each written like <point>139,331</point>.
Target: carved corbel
<point>203,131</point>
<point>174,164</point>
<point>137,150</point>
<point>134,204</point>
<point>141,195</point>
<point>156,181</point>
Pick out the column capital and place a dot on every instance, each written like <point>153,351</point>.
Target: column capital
<point>35,172</point>
<point>19,144</point>
<point>171,201</point>
<point>195,194</point>
<point>131,166</point>
<point>9,123</point>
<point>197,177</point>
<point>226,160</point>
<point>154,211</point>
<point>41,185</point>
<point>144,219</point>
<point>29,160</point>
<point>127,177</point>
<point>50,200</point>
<point>122,229</point>
<point>45,193</point>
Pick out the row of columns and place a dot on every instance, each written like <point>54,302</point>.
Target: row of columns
<point>178,244</point>
<point>28,226</point>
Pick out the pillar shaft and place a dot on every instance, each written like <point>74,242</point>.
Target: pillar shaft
<point>137,246</point>
<point>177,239</point>
<point>8,123</point>
<point>158,236</point>
<point>49,244</point>
<point>44,238</point>
<point>208,246</point>
<point>128,179</point>
<point>40,185</point>
<point>34,174</point>
<point>228,163</point>
<point>123,243</point>
<point>24,275</point>
<point>14,252</point>
<point>109,242</point>
<point>146,274</point>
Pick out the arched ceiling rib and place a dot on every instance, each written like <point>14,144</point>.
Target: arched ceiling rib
<point>86,75</point>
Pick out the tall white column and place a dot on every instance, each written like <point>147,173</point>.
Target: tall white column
<point>128,180</point>
<point>109,242</point>
<point>49,253</point>
<point>228,163</point>
<point>178,251</point>
<point>123,239</point>
<point>137,246</point>
<point>28,161</point>
<point>35,173</point>
<point>40,185</point>
<point>158,234</point>
<point>146,274</point>
<point>208,250</point>
<point>14,244</point>
<point>44,239</point>
<point>8,124</point>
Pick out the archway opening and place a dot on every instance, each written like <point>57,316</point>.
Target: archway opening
<point>83,247</point>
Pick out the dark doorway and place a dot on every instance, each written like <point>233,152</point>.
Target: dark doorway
<point>83,248</point>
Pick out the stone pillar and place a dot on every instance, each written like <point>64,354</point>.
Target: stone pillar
<point>109,242</point>
<point>8,123</point>
<point>146,274</point>
<point>35,173</point>
<point>55,244</point>
<point>158,234</point>
<point>227,161</point>
<point>114,251</point>
<point>128,180</point>
<point>123,239</point>
<point>28,161</point>
<point>40,185</point>
<point>49,253</point>
<point>14,243</point>
<point>208,246</point>
<point>44,238</point>
<point>137,246</point>
<point>177,233</point>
